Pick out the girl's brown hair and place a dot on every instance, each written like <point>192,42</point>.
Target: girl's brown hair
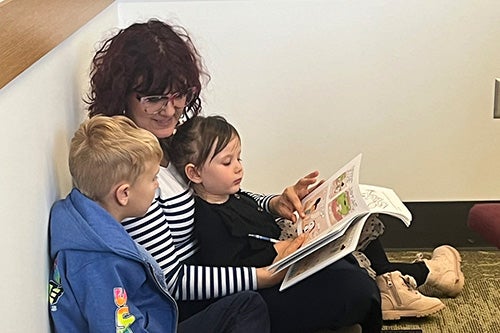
<point>194,140</point>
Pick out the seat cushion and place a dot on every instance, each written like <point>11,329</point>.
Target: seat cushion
<point>485,220</point>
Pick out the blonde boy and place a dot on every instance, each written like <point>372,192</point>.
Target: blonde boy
<point>115,163</point>
<point>101,281</point>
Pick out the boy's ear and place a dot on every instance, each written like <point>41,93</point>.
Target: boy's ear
<point>192,173</point>
<point>122,194</point>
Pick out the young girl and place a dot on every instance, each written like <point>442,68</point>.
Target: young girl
<point>207,153</point>
<point>206,150</point>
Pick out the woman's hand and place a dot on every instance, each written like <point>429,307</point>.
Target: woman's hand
<point>265,278</point>
<point>289,201</point>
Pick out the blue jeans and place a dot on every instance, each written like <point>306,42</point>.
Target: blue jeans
<point>244,312</point>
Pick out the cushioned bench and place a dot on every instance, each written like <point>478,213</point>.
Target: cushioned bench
<point>484,219</point>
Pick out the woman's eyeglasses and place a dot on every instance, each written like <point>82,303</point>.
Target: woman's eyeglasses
<point>155,103</point>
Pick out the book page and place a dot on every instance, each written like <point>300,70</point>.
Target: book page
<point>326,255</point>
<point>385,201</point>
<point>334,204</point>
<point>330,209</point>
<point>335,215</point>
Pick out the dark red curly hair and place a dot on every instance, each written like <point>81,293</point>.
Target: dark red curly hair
<point>147,58</point>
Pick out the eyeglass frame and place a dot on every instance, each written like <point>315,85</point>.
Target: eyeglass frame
<point>169,98</point>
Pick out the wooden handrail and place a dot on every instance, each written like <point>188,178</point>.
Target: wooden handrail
<point>29,29</point>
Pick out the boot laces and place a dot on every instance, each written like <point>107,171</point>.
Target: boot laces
<point>419,257</point>
<point>410,282</point>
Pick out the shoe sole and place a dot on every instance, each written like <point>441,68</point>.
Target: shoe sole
<point>397,314</point>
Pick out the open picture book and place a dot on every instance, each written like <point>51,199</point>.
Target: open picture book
<point>336,213</point>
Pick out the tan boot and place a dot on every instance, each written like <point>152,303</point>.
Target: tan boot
<point>445,274</point>
<point>400,297</point>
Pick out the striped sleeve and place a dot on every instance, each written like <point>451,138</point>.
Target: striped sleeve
<point>202,282</point>
<point>262,200</point>
<point>171,242</point>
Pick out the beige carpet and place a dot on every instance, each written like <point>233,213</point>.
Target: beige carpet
<point>475,310</point>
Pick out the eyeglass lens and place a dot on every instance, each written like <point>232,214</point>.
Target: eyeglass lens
<point>154,104</point>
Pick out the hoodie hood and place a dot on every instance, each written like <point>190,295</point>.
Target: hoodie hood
<point>101,281</point>
<point>81,224</point>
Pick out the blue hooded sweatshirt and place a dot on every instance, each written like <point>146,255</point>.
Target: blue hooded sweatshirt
<point>101,281</point>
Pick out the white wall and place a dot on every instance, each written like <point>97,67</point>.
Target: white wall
<point>40,110</point>
<point>310,84</point>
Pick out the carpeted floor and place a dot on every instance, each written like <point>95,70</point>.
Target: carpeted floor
<point>475,310</point>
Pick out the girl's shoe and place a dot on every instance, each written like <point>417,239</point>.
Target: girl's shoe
<point>400,297</point>
<point>445,274</point>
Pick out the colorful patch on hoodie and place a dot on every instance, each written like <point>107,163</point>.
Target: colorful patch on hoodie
<point>55,288</point>
<point>123,318</point>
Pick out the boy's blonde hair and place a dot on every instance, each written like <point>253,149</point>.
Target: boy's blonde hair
<point>107,150</point>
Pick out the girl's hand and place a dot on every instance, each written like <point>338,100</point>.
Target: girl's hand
<point>289,201</point>
<point>265,278</point>
<point>281,247</point>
